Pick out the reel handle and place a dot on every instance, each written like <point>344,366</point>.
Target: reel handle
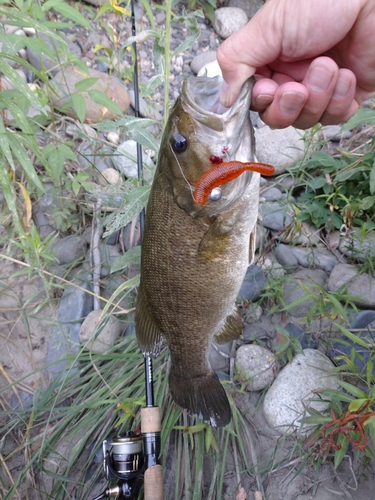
<point>153,477</point>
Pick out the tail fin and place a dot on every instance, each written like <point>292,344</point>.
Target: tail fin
<point>204,396</point>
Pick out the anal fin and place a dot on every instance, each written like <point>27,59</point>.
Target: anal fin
<point>232,328</point>
<point>149,335</point>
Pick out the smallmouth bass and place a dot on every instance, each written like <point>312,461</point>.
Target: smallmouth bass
<point>195,256</point>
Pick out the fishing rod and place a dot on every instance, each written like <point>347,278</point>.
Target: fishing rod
<point>133,459</point>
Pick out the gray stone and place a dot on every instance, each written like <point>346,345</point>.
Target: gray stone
<point>293,290</point>
<point>42,222</point>
<point>286,257</point>
<point>201,60</point>
<point>218,356</point>
<point>60,50</point>
<point>279,147</point>
<point>75,305</point>
<point>257,365</point>
<point>358,247</point>
<point>160,17</point>
<point>228,20</point>
<point>314,259</point>
<point>93,154</point>
<point>21,400</point>
<point>108,255</point>
<point>100,334</point>
<point>69,249</point>
<point>272,194</point>
<point>146,110</point>
<point>361,287</point>
<point>64,85</point>
<point>249,6</point>
<point>131,234</point>
<point>260,236</point>
<point>275,215</point>
<point>301,234</point>
<point>333,133</point>
<point>125,159</point>
<point>361,319</point>
<point>295,387</point>
<point>306,341</point>
<point>252,285</point>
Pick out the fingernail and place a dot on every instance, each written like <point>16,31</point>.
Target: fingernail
<point>291,102</point>
<point>225,95</point>
<point>341,89</point>
<point>320,78</point>
<point>263,100</point>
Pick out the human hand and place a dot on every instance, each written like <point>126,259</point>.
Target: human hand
<point>313,61</point>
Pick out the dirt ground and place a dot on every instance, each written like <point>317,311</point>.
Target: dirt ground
<point>27,322</point>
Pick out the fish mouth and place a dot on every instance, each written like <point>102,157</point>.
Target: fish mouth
<point>201,98</point>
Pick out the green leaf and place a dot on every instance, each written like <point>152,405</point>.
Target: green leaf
<point>354,338</point>
<point>134,203</point>
<point>343,442</point>
<point>151,85</point>
<point>317,182</point>
<point>102,99</point>
<point>79,105</point>
<point>85,84</point>
<point>67,11</point>
<point>360,116</point>
<point>352,389</point>
<point>19,83</point>
<point>132,256</point>
<point>356,404</point>
<point>372,178</point>
<point>25,162</point>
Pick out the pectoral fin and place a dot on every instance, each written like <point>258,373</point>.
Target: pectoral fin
<point>252,245</point>
<point>232,328</point>
<point>215,242</point>
<point>148,334</point>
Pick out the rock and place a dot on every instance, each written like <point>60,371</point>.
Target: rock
<point>125,159</point>
<point>286,257</point>
<point>146,110</point>
<point>60,50</point>
<point>249,6</point>
<point>64,85</point>
<point>272,194</point>
<point>113,138</point>
<point>361,319</point>
<point>210,70</point>
<point>69,249</point>
<point>42,222</point>
<point>260,236</point>
<point>110,290</point>
<point>279,147</point>
<point>21,400</point>
<point>95,154</point>
<point>333,133</point>
<point>314,259</point>
<point>228,20</point>
<point>358,247</point>
<point>301,234</point>
<point>361,287</point>
<point>218,356</point>
<point>131,234</point>
<point>110,176</point>
<point>295,387</point>
<point>271,265</point>
<point>160,17</point>
<point>108,255</point>
<point>257,365</point>
<point>75,305</point>
<point>293,290</point>
<point>299,333</point>
<point>275,215</point>
<point>100,334</point>
<point>252,285</point>
<point>201,60</point>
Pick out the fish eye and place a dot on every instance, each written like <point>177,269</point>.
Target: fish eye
<point>179,143</point>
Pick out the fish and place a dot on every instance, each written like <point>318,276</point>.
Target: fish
<point>194,256</point>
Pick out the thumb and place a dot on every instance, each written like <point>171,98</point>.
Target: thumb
<point>253,46</point>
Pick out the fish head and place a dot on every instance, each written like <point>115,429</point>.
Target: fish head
<point>201,131</point>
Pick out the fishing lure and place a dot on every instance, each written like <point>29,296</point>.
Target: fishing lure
<point>223,173</point>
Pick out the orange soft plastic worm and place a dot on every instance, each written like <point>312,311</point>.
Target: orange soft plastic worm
<point>225,172</point>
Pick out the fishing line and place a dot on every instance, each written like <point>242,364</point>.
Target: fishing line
<point>182,173</point>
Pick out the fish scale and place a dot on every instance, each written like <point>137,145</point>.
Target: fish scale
<point>194,258</point>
